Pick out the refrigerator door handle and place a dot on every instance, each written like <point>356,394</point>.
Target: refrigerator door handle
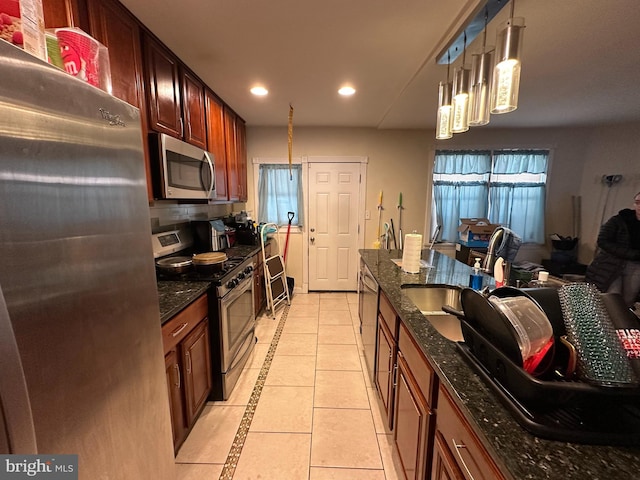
<point>16,421</point>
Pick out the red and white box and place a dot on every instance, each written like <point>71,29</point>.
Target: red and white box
<point>22,24</point>
<point>84,57</point>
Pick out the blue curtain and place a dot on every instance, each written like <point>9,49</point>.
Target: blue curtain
<point>520,161</point>
<point>520,205</point>
<point>463,162</point>
<point>280,193</point>
<point>460,198</point>
<point>511,200</point>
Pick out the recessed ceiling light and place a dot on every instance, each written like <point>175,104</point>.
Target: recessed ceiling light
<point>346,91</point>
<point>259,91</point>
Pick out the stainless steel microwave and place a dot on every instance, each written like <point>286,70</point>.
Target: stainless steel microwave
<point>182,171</point>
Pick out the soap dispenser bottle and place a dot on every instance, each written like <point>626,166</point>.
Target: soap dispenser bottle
<point>475,279</point>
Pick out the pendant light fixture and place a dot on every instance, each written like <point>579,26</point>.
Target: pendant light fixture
<point>460,104</point>
<point>481,73</point>
<point>506,73</point>
<point>444,117</point>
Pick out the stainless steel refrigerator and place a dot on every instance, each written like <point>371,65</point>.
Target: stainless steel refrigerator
<point>82,366</point>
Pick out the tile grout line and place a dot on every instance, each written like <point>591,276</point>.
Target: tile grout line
<point>241,435</point>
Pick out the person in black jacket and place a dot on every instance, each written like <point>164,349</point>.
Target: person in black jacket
<point>616,267</point>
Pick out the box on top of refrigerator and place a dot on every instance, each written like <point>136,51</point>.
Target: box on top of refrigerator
<point>22,25</point>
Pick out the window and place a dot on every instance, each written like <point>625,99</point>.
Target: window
<point>505,186</point>
<point>280,192</point>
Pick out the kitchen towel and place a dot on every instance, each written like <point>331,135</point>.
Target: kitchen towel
<point>412,252</point>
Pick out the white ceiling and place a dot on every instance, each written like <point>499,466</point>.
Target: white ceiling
<point>581,58</point>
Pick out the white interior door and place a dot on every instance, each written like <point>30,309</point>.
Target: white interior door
<point>334,193</point>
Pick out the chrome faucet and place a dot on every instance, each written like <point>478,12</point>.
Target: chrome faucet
<point>494,241</point>
<point>435,236</point>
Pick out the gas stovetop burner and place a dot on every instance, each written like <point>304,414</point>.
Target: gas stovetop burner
<point>215,274</point>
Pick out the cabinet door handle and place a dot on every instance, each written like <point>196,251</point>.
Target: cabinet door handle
<point>177,331</point>
<point>177,368</point>
<point>457,447</point>
<point>188,355</point>
<point>395,375</point>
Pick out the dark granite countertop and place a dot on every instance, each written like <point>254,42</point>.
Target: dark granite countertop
<point>175,295</point>
<point>518,453</point>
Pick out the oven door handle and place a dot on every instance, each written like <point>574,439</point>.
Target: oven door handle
<point>250,336</point>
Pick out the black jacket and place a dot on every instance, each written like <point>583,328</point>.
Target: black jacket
<point>614,244</point>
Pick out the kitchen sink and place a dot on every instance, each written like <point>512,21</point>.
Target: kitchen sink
<point>429,299</point>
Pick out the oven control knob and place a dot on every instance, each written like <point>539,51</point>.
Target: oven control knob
<point>232,283</point>
<point>240,276</point>
<point>249,269</point>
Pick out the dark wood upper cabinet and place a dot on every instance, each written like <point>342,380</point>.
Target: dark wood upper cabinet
<point>230,138</point>
<point>163,83</point>
<point>171,98</point>
<point>216,141</point>
<point>193,110</point>
<point>118,30</point>
<point>66,13</point>
<point>241,160</point>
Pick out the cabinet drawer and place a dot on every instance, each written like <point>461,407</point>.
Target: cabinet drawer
<point>179,326</point>
<point>421,370</point>
<point>388,315</point>
<point>465,447</point>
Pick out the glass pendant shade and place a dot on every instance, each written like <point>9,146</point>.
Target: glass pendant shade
<point>444,118</point>
<point>460,104</point>
<point>506,74</point>
<point>479,95</point>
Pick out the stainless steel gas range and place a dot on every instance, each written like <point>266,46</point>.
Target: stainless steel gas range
<point>231,308</point>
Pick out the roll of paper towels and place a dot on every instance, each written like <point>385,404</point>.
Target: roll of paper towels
<point>412,253</point>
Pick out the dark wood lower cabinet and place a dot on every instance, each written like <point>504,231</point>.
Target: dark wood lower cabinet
<point>196,359</point>
<point>188,366</point>
<point>259,291</point>
<point>175,387</point>
<point>385,361</point>
<point>413,424</point>
<point>459,445</point>
<point>444,465</point>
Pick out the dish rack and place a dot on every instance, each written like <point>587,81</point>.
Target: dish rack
<point>571,411</point>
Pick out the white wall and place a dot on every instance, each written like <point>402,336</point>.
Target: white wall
<point>401,161</point>
<point>610,150</point>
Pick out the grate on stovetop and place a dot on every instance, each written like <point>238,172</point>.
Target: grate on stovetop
<point>218,276</point>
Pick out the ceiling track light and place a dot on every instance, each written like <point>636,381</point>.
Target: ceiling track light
<point>481,74</point>
<point>506,73</point>
<point>444,117</point>
<point>461,87</point>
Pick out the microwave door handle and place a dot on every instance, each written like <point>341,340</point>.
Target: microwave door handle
<point>213,178</point>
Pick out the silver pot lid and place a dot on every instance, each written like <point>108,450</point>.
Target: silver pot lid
<point>174,262</point>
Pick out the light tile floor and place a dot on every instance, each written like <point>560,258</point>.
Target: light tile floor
<point>318,415</point>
